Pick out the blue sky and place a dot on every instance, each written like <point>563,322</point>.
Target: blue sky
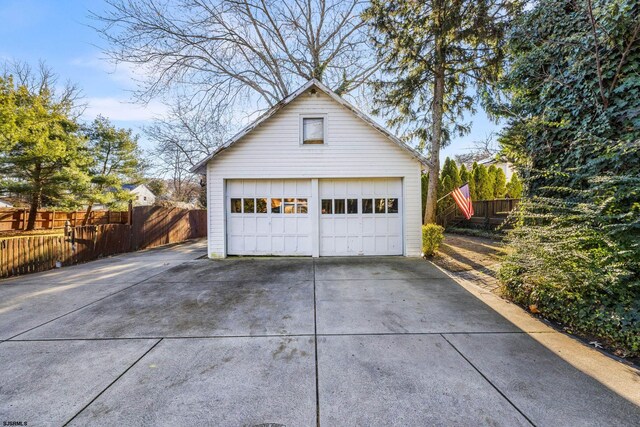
<point>59,33</point>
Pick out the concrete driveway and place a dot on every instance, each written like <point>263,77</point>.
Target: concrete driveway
<point>164,338</point>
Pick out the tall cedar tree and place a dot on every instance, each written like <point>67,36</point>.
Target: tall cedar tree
<point>500,184</point>
<point>514,187</point>
<point>464,175</point>
<point>449,180</point>
<point>483,187</point>
<point>434,54</point>
<point>44,158</point>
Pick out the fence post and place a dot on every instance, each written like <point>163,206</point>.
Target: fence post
<point>486,214</point>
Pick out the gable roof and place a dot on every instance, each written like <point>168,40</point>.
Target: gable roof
<point>132,187</point>
<point>199,168</point>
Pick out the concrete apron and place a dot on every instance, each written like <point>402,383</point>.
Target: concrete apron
<point>291,341</point>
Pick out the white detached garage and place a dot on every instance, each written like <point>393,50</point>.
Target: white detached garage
<point>313,176</point>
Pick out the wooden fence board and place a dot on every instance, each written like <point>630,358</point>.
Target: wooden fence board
<point>151,226</point>
<point>486,213</point>
<point>12,219</point>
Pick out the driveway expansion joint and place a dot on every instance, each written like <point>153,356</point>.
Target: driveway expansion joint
<point>315,343</point>
<point>504,396</point>
<point>113,382</point>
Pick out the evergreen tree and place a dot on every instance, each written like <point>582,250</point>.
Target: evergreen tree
<point>117,161</point>
<point>482,183</point>
<point>157,186</point>
<point>500,184</point>
<point>492,171</point>
<point>574,132</point>
<point>472,182</point>
<point>446,186</point>
<point>514,187</point>
<point>450,169</point>
<point>449,180</point>
<point>424,186</point>
<point>435,52</point>
<point>45,158</point>
<point>464,175</point>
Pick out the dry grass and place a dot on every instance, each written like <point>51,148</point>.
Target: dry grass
<point>473,258</point>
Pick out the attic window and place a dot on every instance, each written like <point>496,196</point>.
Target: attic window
<point>313,130</point>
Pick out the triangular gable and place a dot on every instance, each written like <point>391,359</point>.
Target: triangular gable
<point>200,167</point>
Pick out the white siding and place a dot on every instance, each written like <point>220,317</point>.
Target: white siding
<point>144,196</point>
<point>352,149</point>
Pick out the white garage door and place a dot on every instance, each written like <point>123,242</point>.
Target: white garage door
<point>361,217</point>
<point>268,217</point>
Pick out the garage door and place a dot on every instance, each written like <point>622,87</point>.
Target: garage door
<point>361,217</point>
<point>268,217</point>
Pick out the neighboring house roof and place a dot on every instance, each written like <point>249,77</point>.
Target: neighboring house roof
<point>199,168</point>
<point>132,187</point>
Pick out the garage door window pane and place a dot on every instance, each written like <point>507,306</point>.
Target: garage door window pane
<point>380,205</point>
<point>352,206</point>
<point>261,205</point>
<point>276,206</point>
<point>327,206</point>
<point>338,204</point>
<point>367,206</point>
<point>301,206</point>
<point>289,206</point>
<point>392,205</point>
<point>249,205</point>
<point>236,205</point>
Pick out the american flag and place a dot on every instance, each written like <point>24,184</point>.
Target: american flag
<point>463,200</point>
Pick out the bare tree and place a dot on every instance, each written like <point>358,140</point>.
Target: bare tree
<point>183,138</point>
<point>212,58</point>
<point>239,49</point>
<point>481,150</point>
<point>42,79</point>
<point>181,185</point>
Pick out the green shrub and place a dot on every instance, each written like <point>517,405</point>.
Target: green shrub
<point>432,236</point>
<point>580,267</point>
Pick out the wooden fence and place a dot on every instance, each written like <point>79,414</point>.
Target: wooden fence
<point>151,227</point>
<point>13,219</point>
<point>155,226</point>
<point>487,214</point>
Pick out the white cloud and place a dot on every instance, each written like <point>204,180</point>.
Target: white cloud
<point>123,73</point>
<point>121,110</point>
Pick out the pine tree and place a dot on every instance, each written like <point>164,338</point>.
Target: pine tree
<point>46,160</point>
<point>117,160</point>
<point>435,52</point>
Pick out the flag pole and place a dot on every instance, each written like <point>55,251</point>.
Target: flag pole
<point>445,196</point>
